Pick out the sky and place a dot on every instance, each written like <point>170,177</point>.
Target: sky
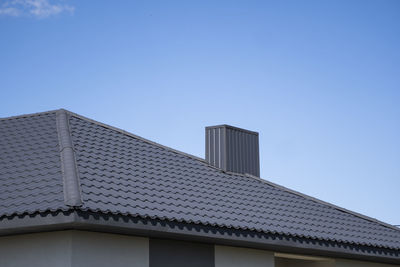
<point>319,80</point>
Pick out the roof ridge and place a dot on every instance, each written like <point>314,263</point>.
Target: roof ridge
<point>136,136</point>
<point>29,115</point>
<point>321,201</point>
<point>71,183</point>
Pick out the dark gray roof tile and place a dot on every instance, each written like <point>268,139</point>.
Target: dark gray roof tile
<point>30,170</point>
<point>131,176</point>
<point>124,174</point>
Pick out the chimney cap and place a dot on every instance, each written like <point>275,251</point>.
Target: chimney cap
<point>231,127</point>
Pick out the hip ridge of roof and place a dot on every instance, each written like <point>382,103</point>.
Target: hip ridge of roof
<point>71,182</point>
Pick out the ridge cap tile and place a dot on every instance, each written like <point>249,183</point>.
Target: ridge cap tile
<point>71,183</point>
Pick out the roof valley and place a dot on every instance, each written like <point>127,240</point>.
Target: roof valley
<point>71,183</point>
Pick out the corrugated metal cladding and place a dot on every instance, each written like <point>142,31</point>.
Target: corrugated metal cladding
<point>233,149</point>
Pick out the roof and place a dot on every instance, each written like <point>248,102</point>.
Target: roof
<point>61,161</point>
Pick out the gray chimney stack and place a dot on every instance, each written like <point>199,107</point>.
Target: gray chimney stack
<point>233,149</point>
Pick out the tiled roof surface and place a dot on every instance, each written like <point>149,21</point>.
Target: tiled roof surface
<point>30,169</point>
<point>120,173</point>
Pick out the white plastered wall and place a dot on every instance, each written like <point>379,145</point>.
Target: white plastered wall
<point>73,249</point>
<point>87,249</point>
<point>44,249</point>
<point>105,250</point>
<point>242,257</point>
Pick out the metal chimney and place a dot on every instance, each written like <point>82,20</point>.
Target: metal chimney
<point>233,149</point>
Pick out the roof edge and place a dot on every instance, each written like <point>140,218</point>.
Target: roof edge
<point>71,183</point>
<point>37,222</point>
<point>29,115</point>
<point>156,228</point>
<point>94,221</point>
<point>323,202</point>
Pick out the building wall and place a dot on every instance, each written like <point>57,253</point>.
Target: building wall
<point>242,257</point>
<point>74,249</point>
<point>282,262</point>
<point>172,253</point>
<point>87,249</point>
<point>105,250</point>
<point>351,263</point>
<point>39,250</point>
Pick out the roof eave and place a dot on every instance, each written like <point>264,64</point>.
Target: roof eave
<point>91,221</point>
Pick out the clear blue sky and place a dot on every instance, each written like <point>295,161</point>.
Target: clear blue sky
<point>318,79</point>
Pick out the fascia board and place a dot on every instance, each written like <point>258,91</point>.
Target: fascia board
<point>232,237</point>
<point>90,221</point>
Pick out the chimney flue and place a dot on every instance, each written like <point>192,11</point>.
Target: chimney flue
<point>233,149</point>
